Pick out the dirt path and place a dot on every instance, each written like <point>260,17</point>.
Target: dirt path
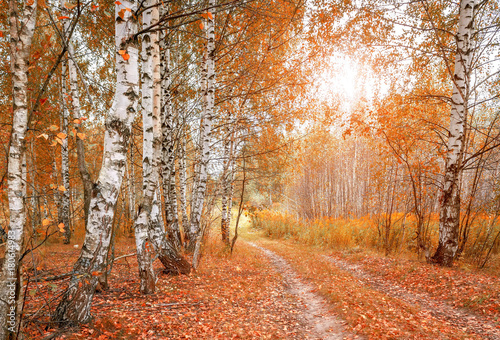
<point>323,325</point>
<point>427,304</point>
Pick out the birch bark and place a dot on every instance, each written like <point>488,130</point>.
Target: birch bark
<point>22,26</point>
<point>149,157</point>
<point>74,306</point>
<point>449,215</point>
<point>205,133</point>
<point>64,217</point>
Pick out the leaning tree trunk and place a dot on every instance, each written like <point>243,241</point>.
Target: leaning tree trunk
<point>449,215</point>
<point>74,306</point>
<point>150,116</point>
<point>22,26</point>
<point>205,133</point>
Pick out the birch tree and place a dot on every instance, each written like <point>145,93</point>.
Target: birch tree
<point>74,306</point>
<point>449,214</point>
<point>205,132</point>
<point>22,21</point>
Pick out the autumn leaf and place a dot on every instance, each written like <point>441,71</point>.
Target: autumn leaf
<point>44,135</point>
<point>96,273</point>
<point>121,14</point>
<point>1,34</point>
<point>42,101</point>
<point>118,3</point>
<point>45,222</point>
<point>61,135</point>
<point>54,128</point>
<point>209,14</point>
<point>128,9</point>
<point>69,6</point>
<point>61,227</point>
<point>122,52</point>
<point>54,142</point>
<point>59,141</point>
<point>77,121</point>
<point>63,17</point>
<point>61,188</point>
<point>201,25</point>
<point>82,136</point>
<point>52,186</point>
<point>83,118</point>
<point>93,8</point>
<point>125,56</point>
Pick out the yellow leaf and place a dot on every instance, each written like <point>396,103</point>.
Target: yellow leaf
<point>61,135</point>
<point>81,135</point>
<point>61,227</point>
<point>77,121</point>
<point>45,222</point>
<point>54,128</point>
<point>61,188</point>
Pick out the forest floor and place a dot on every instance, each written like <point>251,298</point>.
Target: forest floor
<point>276,289</point>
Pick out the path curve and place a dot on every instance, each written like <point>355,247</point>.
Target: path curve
<point>325,326</point>
<point>428,305</point>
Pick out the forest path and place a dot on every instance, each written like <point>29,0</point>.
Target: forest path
<point>426,304</point>
<point>384,298</point>
<point>323,324</point>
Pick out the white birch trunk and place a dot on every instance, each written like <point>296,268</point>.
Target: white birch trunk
<point>22,26</point>
<point>205,133</point>
<point>449,216</point>
<point>64,216</point>
<point>183,181</point>
<point>149,159</point>
<point>75,305</point>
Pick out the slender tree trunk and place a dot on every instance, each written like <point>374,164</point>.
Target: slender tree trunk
<point>449,215</point>
<point>205,133</point>
<point>22,26</point>
<point>149,156</point>
<point>80,147</point>
<point>74,306</point>
<point>168,148</point>
<point>183,182</point>
<point>227,185</point>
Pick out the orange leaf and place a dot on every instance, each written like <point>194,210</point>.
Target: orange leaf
<point>1,34</point>
<point>61,227</point>
<point>54,128</point>
<point>61,135</point>
<point>53,186</point>
<point>82,136</point>
<point>125,56</point>
<point>83,118</point>
<point>122,52</point>
<point>77,121</point>
<point>58,141</point>
<point>121,14</point>
<point>210,15</point>
<point>44,135</point>
<point>201,25</point>
<point>42,101</point>
<point>93,8</point>
<point>63,17</point>
<point>96,273</point>
<point>54,142</point>
<point>61,188</point>
<point>45,222</point>
<point>118,3</point>
<point>128,9</point>
<point>80,284</point>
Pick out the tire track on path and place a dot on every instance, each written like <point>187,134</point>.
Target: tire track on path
<point>427,304</point>
<point>324,325</point>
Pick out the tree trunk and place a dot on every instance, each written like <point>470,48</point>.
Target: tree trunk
<point>449,215</point>
<point>74,306</point>
<point>22,26</point>
<point>205,133</point>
